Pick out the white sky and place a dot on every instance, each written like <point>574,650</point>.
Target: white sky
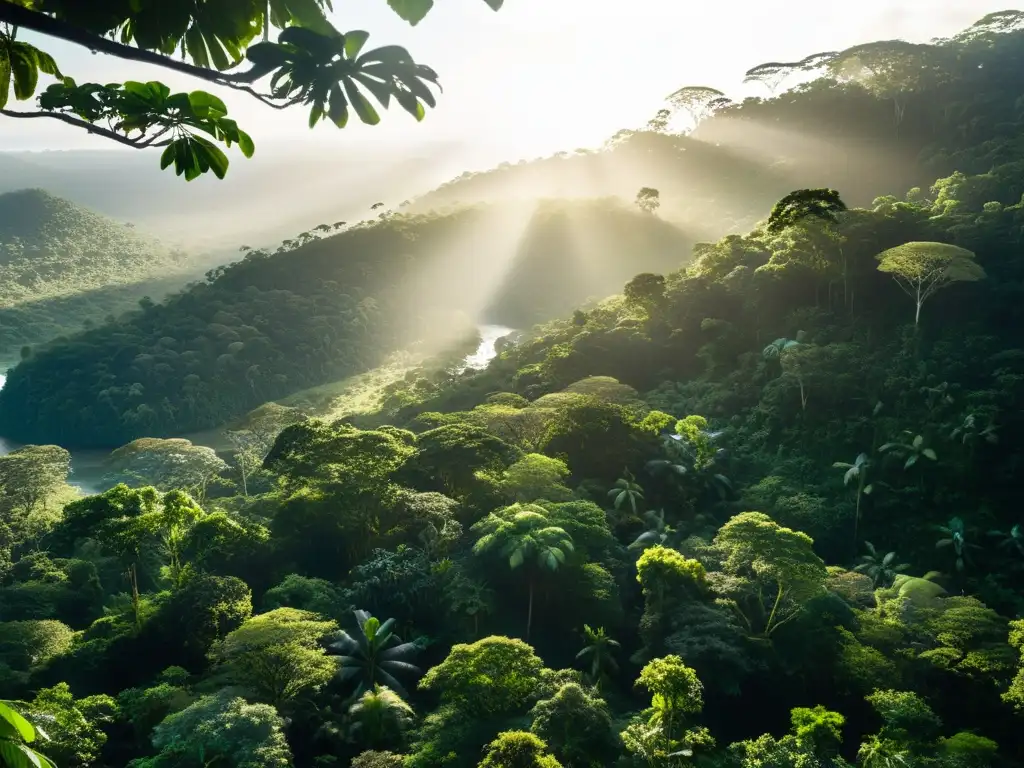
<point>545,75</point>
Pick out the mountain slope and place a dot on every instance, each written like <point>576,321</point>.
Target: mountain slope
<point>273,324</point>
<point>53,249</point>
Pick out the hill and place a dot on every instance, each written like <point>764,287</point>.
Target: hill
<point>324,182</point>
<point>273,324</point>
<point>52,250</point>
<point>524,259</point>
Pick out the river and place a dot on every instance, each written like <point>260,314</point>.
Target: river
<point>87,466</point>
<point>489,335</point>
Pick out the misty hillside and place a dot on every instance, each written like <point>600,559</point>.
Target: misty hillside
<point>281,190</point>
<point>835,129</point>
<point>277,323</point>
<point>53,249</point>
<point>273,324</point>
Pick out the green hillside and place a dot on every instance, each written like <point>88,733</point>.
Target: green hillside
<point>517,262</point>
<point>52,251</point>
<point>274,324</point>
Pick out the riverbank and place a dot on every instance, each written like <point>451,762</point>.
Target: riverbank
<point>361,393</point>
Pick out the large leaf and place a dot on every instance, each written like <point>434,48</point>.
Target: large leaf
<point>5,78</point>
<point>360,104</point>
<point>24,728</point>
<point>14,755</point>
<point>25,71</point>
<point>412,11</point>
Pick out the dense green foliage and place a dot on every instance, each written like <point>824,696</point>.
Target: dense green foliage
<point>62,266</point>
<point>312,64</point>
<point>752,513</point>
<point>272,324</point>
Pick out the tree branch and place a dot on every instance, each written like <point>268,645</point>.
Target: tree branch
<point>47,25</point>
<point>90,127</point>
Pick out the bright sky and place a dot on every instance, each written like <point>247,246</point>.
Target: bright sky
<point>544,75</point>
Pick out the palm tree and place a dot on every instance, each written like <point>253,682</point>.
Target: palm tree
<point>956,537</point>
<point>774,350</point>
<point>658,531</point>
<point>880,567</point>
<point>857,471</point>
<point>627,490</point>
<point>380,717</point>
<point>1014,539</point>
<point>374,654</point>
<point>971,432</point>
<point>599,652</point>
<point>523,534</point>
<point>913,450</point>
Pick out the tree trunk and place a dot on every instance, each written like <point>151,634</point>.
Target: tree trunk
<point>856,516</point>
<point>529,613</point>
<point>134,581</point>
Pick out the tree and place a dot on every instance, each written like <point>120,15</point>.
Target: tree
<point>255,436</point>
<point>278,655</point>
<point>913,451</point>
<point>676,692</point>
<point>659,123</point>
<point>166,464</point>
<point>698,101</point>
<point>534,477</point>
<point>823,204</point>
<point>857,471</point>
<point>770,74</point>
<point>666,573</point>
<point>73,726</point>
<point>776,569</point>
<point>177,515</point>
<point>518,749</point>
<point>31,475</point>
<point>221,729</point>
<point>646,291</point>
<point>878,567</point>
<point>380,717</point>
<point>1014,695</point>
<point>599,654</point>
<point>817,729</point>
<point>626,492</point>
<point>955,537</point>
<point>576,725</point>
<point>374,654</point>
<point>523,534</point>
<point>493,676</point>
<point>17,734</point>
<point>312,64</point>
<point>922,269</point>
<point>890,69</point>
<point>648,200</point>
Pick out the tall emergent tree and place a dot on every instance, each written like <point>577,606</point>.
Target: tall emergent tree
<point>222,42</point>
<point>524,534</point>
<point>921,269</point>
<point>648,200</point>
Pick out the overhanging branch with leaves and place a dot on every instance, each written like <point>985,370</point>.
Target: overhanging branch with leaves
<point>312,64</point>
